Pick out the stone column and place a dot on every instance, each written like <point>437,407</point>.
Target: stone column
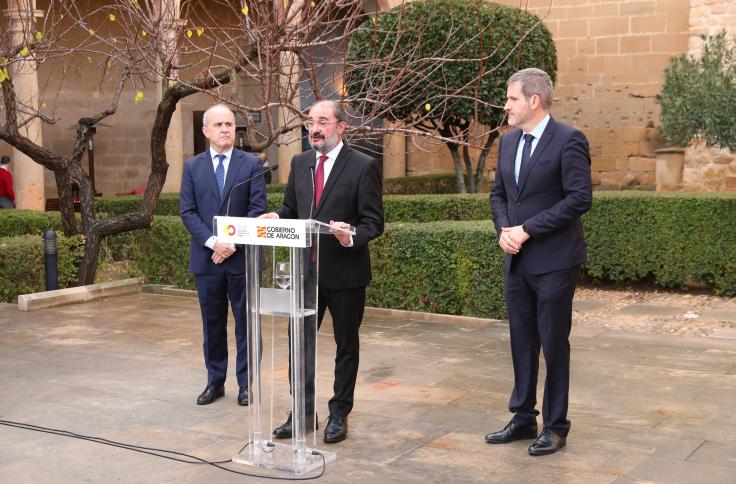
<point>394,153</point>
<point>28,176</point>
<point>290,144</point>
<point>170,11</point>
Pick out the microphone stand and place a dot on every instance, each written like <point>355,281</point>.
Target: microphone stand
<point>271,168</point>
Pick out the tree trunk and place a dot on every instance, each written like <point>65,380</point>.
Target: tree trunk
<point>472,186</point>
<point>459,175</point>
<point>482,157</point>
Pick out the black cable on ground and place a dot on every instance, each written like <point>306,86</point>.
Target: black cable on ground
<point>183,457</point>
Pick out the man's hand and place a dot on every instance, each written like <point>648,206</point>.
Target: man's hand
<point>269,215</point>
<point>512,238</point>
<point>343,237</point>
<point>222,251</point>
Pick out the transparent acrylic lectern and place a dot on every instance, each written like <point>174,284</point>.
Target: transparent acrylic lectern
<point>281,283</point>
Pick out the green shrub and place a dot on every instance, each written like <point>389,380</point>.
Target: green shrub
<point>698,97</point>
<point>168,204</point>
<point>21,222</point>
<point>424,184</point>
<point>436,208</point>
<point>671,239</point>
<point>451,268</point>
<point>22,269</point>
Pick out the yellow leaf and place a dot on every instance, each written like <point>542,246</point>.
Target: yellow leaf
<point>244,10</point>
<point>24,52</point>
<point>111,17</point>
<point>91,32</point>
<point>427,107</point>
<point>38,36</point>
<point>4,74</point>
<point>138,96</point>
<point>200,31</point>
<point>373,20</point>
<point>312,4</point>
<point>89,59</point>
<point>171,83</point>
<point>144,33</point>
<point>286,3</point>
<point>189,33</point>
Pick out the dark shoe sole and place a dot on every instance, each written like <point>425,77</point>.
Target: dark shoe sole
<point>529,436</point>
<point>207,402</point>
<point>336,439</point>
<point>537,453</point>
<point>280,435</point>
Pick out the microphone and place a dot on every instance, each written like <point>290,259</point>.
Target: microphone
<point>271,168</point>
<point>311,203</point>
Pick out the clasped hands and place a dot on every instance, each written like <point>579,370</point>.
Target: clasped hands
<point>222,251</point>
<point>512,238</point>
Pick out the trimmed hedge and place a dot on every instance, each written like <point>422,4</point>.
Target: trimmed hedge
<point>168,204</point>
<point>21,264</point>
<point>673,240</point>
<point>422,184</point>
<point>451,268</point>
<point>23,222</point>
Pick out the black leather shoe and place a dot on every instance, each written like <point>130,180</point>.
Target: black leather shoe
<point>243,396</point>
<point>285,430</point>
<point>512,432</point>
<point>210,394</point>
<point>336,430</point>
<point>547,443</point>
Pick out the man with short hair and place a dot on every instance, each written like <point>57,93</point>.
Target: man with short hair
<point>211,182</point>
<point>335,184</point>
<point>7,195</point>
<point>542,188</point>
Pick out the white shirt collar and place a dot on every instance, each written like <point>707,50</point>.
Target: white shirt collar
<point>228,154</point>
<point>539,129</point>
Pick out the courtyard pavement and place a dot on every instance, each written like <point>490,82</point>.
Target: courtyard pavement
<point>645,407</point>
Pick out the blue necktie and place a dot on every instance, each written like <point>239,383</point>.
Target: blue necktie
<point>526,153</point>
<point>220,173</point>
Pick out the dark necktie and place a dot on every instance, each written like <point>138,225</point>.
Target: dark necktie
<point>319,179</point>
<point>220,173</point>
<point>526,153</point>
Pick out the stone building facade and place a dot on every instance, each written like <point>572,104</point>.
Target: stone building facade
<point>611,58</point>
<point>611,61</point>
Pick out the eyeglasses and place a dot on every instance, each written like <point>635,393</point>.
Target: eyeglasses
<point>322,123</point>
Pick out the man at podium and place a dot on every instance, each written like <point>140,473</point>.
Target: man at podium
<point>336,184</point>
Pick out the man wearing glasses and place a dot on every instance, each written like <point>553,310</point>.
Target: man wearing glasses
<point>336,184</point>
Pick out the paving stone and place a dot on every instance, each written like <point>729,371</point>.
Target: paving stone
<point>644,406</point>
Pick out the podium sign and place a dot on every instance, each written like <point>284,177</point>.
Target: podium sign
<point>282,263</point>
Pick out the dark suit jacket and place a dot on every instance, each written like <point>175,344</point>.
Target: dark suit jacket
<point>352,194</point>
<point>555,190</point>
<point>199,202</point>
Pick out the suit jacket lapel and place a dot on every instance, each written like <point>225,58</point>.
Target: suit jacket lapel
<point>510,154</point>
<point>541,145</point>
<point>208,172</point>
<point>340,163</point>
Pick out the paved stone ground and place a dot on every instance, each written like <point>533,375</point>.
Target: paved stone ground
<point>651,400</point>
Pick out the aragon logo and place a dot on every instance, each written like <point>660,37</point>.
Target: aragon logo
<point>230,230</point>
<point>262,232</point>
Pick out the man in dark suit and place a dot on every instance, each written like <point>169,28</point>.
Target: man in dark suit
<point>542,188</point>
<point>335,184</point>
<point>210,183</point>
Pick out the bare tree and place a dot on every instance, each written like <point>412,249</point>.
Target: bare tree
<point>285,51</point>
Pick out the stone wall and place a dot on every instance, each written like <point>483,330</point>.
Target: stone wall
<point>709,169</point>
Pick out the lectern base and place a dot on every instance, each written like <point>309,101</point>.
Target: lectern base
<point>284,457</point>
